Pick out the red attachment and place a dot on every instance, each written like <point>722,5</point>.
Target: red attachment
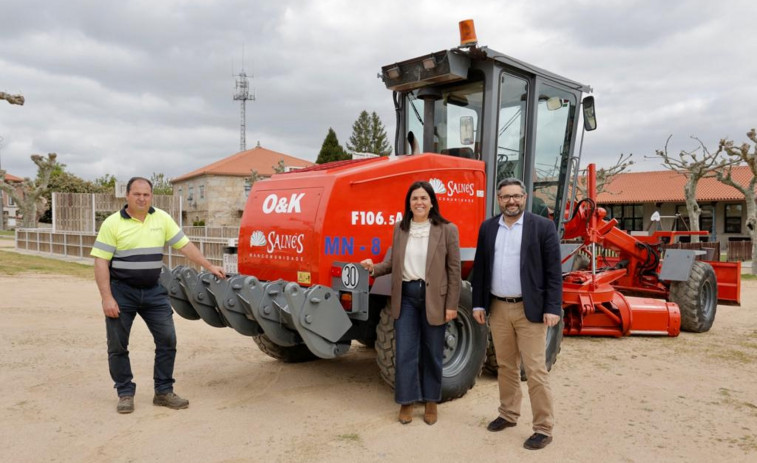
<point>593,301</point>
<point>728,275</point>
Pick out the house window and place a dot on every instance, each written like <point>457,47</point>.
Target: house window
<point>733,218</point>
<point>190,193</point>
<point>181,192</point>
<point>630,217</point>
<point>11,202</point>
<point>202,191</point>
<point>705,218</point>
<point>247,187</point>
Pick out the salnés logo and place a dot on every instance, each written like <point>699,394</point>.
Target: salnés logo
<point>278,242</point>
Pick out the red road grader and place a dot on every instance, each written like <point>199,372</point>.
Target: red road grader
<point>476,116</point>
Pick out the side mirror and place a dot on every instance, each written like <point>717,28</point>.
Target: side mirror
<point>466,130</point>
<point>590,116</point>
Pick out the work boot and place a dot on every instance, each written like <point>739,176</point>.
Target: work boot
<point>170,400</point>
<point>431,414</point>
<point>125,404</point>
<point>406,414</point>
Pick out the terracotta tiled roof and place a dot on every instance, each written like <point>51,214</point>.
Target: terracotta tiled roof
<point>241,164</point>
<point>13,178</point>
<point>667,186</point>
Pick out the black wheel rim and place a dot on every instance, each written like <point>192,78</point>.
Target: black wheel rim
<point>707,299</point>
<point>458,344</point>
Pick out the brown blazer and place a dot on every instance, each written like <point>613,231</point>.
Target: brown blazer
<point>442,271</point>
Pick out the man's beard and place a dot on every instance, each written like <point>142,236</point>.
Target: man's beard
<point>512,212</point>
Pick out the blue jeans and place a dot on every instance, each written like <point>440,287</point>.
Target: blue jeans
<point>419,349</point>
<point>153,306</point>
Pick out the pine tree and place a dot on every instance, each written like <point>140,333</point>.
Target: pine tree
<point>331,150</point>
<point>360,141</point>
<point>368,135</point>
<point>379,143</point>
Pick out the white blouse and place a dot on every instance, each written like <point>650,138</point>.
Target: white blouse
<point>414,266</point>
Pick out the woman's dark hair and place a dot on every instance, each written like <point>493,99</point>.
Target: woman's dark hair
<point>433,215</point>
<point>137,179</point>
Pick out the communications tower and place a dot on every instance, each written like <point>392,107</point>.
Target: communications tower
<point>242,93</point>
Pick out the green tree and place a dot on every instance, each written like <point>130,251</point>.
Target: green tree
<point>280,167</point>
<point>107,182</point>
<point>31,197</point>
<point>379,143</point>
<point>369,135</point>
<point>62,181</point>
<point>331,150</point>
<point>161,185</point>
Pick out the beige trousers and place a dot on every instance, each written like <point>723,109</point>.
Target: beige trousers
<point>514,338</point>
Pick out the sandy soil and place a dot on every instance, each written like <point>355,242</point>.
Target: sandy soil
<point>689,399</point>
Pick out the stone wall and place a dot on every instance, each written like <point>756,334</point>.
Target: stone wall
<point>216,200</point>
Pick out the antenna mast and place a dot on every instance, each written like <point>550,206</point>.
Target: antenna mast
<point>242,94</point>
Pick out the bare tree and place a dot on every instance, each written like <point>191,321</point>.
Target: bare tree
<point>12,99</point>
<point>604,176</point>
<point>31,199</point>
<point>738,154</point>
<point>694,167</point>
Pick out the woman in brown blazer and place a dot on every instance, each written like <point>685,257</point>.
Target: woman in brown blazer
<point>425,268</point>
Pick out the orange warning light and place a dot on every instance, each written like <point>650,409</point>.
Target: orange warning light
<point>467,33</point>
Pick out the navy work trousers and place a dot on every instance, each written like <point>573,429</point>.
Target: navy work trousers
<point>153,306</point>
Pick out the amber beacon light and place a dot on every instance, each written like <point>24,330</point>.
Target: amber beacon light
<point>467,33</point>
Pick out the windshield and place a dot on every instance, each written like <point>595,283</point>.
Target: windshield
<point>554,130</point>
<point>457,118</point>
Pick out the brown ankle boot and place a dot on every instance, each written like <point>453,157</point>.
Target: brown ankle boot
<point>431,414</point>
<point>406,414</point>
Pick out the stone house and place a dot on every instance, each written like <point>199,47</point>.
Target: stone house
<point>10,217</point>
<point>215,195</point>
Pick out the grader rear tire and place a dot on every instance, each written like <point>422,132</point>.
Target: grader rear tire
<point>464,350</point>
<point>697,298</point>
<point>287,354</point>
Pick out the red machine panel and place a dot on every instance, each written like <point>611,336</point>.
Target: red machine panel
<point>296,225</point>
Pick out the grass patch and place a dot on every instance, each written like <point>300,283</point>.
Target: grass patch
<point>748,276</point>
<point>12,263</point>
<point>7,233</point>
<point>352,437</point>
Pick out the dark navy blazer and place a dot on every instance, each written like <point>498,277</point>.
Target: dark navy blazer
<point>540,268</point>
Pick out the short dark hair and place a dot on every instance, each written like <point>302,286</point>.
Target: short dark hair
<point>137,179</point>
<point>434,215</point>
<point>511,181</point>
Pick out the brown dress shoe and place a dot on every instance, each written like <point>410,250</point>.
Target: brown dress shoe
<point>406,413</point>
<point>431,414</point>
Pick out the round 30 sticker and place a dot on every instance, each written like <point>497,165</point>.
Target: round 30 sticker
<point>350,276</point>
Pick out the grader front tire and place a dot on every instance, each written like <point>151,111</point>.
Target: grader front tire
<point>697,298</point>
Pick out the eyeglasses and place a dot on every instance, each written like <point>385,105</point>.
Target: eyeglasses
<point>507,198</point>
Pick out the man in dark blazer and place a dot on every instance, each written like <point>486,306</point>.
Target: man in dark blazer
<point>517,281</point>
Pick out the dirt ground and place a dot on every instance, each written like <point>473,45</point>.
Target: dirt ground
<point>636,399</point>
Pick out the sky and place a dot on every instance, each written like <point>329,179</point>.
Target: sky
<point>139,87</point>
